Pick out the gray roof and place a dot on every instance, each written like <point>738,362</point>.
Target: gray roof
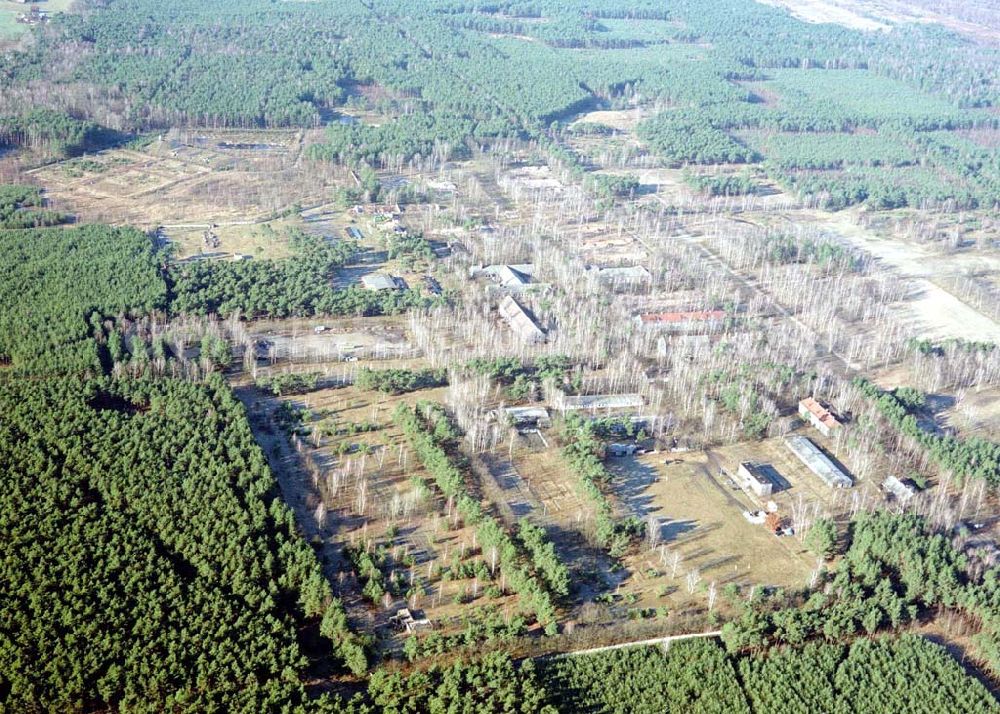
<point>817,462</point>
<point>629,274</point>
<point>901,490</point>
<point>379,281</point>
<point>603,401</point>
<point>523,325</point>
<point>756,472</point>
<point>510,276</point>
<point>519,415</point>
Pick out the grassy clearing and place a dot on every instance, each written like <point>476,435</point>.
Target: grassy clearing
<point>207,177</point>
<point>260,241</point>
<point>10,28</point>
<point>854,91</point>
<point>700,518</point>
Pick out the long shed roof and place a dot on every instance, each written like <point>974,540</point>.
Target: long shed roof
<point>523,325</point>
<point>817,462</point>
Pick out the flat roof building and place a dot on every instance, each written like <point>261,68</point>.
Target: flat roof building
<point>621,449</point>
<point>601,402</point>
<point>380,281</point>
<point>818,462</point>
<point>526,416</point>
<point>511,277</point>
<point>626,275</point>
<point>753,477</point>
<point>411,621</point>
<point>683,321</point>
<point>900,489</point>
<point>382,210</point>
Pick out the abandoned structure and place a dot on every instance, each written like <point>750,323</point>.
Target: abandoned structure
<point>624,276</point>
<point>817,462</point>
<point>526,416</point>
<point>381,281</point>
<point>621,449</point>
<point>410,621</point>
<point>379,211</point>
<point>520,322</point>
<point>687,321</point>
<point>754,478</point>
<point>509,278</point>
<point>607,403</point>
<point>900,489</point>
<point>819,416</point>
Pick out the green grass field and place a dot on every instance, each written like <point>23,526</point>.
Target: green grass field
<point>11,28</point>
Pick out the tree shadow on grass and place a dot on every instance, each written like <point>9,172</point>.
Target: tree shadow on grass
<point>630,481</point>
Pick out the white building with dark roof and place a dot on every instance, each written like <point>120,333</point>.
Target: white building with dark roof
<point>753,477</point>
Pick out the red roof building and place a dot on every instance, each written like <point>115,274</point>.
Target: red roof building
<point>818,415</point>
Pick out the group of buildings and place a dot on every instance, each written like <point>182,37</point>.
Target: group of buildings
<point>759,479</point>
<point>381,213</point>
<point>516,280</point>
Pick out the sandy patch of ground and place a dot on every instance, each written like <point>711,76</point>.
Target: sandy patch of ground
<point>357,341</point>
<point>934,311</point>
<point>824,11</point>
<point>535,177</point>
<point>882,14</point>
<point>961,17</point>
<point>620,119</point>
<point>214,177</point>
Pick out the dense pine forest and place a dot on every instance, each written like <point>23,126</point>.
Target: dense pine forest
<point>302,285</point>
<point>148,564</point>
<point>66,292</point>
<point>823,106</point>
<point>58,286</point>
<point>883,675</point>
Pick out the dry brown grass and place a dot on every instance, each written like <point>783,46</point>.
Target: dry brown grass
<point>426,532</point>
<point>214,177</point>
<point>701,519</point>
<point>553,485</point>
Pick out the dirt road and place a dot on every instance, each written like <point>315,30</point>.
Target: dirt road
<point>665,641</point>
